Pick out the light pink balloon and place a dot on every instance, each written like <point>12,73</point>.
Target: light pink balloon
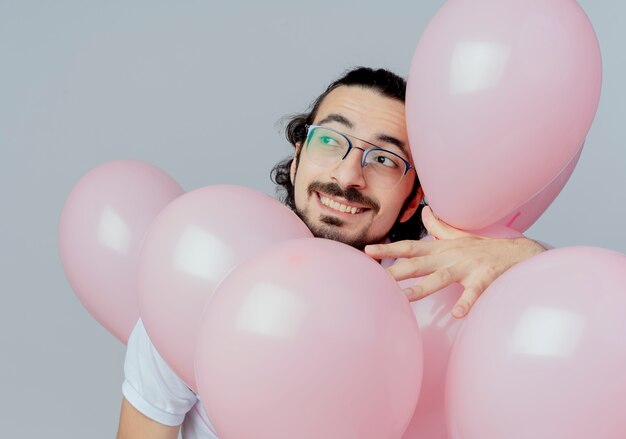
<point>102,226</point>
<point>438,330</point>
<point>309,339</point>
<point>542,355</point>
<point>189,249</point>
<point>500,97</point>
<point>525,216</point>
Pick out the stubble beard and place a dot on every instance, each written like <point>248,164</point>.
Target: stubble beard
<point>330,227</point>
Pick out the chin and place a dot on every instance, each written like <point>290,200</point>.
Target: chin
<point>330,227</point>
<point>358,241</point>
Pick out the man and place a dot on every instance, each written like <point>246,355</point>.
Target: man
<point>351,179</point>
<point>367,106</point>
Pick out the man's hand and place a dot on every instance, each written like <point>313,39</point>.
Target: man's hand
<point>455,256</point>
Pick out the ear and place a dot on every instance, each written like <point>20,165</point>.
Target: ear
<point>413,205</point>
<point>293,168</point>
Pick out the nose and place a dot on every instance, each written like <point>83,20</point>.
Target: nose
<point>349,171</point>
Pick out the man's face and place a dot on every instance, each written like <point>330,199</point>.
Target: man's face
<point>326,197</point>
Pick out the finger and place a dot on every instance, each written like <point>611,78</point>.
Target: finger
<point>431,283</point>
<point>415,267</point>
<point>438,228</point>
<point>466,301</point>
<point>400,249</point>
<point>413,293</point>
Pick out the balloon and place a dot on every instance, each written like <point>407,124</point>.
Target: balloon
<point>542,355</point>
<point>309,339</point>
<point>189,248</point>
<point>102,225</point>
<point>525,216</point>
<point>500,97</point>
<point>438,330</point>
<point>498,231</point>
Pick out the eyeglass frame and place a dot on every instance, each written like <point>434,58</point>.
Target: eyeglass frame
<point>408,165</point>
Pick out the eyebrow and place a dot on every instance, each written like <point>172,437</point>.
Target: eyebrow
<point>334,117</point>
<point>390,139</point>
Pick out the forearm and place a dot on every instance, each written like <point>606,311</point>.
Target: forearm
<point>526,247</point>
<point>135,425</point>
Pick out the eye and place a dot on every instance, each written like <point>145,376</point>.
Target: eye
<point>328,140</point>
<point>383,158</point>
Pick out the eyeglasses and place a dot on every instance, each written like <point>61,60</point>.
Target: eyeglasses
<point>381,168</point>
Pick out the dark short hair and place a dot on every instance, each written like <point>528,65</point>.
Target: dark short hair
<point>386,83</point>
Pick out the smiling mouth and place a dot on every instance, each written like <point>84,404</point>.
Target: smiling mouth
<point>340,207</point>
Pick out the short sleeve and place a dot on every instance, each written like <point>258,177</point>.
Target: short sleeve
<point>150,385</point>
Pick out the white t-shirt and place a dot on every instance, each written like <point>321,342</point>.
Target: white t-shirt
<point>153,388</point>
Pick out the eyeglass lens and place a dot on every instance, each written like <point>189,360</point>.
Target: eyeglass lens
<point>381,168</point>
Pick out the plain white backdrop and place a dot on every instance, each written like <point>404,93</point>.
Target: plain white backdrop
<point>197,88</point>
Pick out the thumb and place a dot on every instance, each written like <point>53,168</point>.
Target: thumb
<point>438,228</point>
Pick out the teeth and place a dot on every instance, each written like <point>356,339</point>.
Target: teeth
<point>338,206</point>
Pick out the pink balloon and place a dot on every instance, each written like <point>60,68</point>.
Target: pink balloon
<point>497,231</point>
<point>438,330</point>
<point>525,216</point>
<point>309,339</point>
<point>189,249</point>
<point>543,353</point>
<point>102,226</point>
<point>500,96</point>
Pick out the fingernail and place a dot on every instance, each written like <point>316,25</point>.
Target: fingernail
<point>407,292</point>
<point>458,311</point>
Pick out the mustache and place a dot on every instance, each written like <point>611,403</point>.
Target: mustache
<point>349,194</point>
